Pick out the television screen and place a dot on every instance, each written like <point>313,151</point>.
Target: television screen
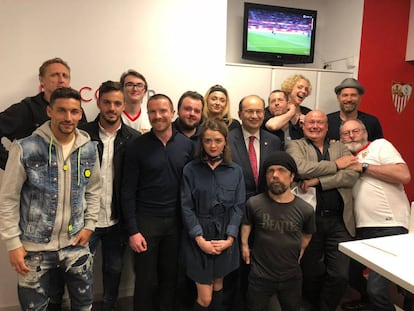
<point>278,35</point>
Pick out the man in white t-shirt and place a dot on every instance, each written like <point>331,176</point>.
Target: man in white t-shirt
<point>135,114</point>
<point>381,206</point>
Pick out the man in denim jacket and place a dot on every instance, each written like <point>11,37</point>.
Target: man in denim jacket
<point>50,204</point>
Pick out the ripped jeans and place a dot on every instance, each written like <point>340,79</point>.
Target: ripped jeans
<point>75,262</point>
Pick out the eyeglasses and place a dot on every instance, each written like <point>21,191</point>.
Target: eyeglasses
<point>354,132</point>
<point>316,122</point>
<point>139,86</point>
<point>251,112</point>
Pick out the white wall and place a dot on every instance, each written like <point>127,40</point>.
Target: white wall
<point>246,79</point>
<point>178,45</point>
<point>410,38</point>
<point>338,31</point>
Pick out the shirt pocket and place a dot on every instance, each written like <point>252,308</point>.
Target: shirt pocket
<point>37,172</point>
<point>226,194</point>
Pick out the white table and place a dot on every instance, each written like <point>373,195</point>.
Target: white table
<point>391,256</point>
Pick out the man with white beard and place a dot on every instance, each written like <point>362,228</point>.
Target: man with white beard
<point>386,210</point>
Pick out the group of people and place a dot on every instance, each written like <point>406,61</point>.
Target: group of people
<point>204,201</point>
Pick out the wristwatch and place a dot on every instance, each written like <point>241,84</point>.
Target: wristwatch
<point>364,167</point>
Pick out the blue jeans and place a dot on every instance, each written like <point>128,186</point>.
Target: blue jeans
<point>377,285</point>
<point>76,264</point>
<point>113,248</point>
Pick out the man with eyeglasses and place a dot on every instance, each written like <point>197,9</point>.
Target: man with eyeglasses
<point>21,119</point>
<point>325,165</point>
<point>251,114</point>
<point>243,140</point>
<point>385,211</point>
<point>135,88</point>
<point>349,94</point>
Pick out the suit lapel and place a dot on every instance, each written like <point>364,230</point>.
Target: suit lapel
<point>242,152</point>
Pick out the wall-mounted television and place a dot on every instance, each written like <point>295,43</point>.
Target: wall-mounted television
<point>278,35</point>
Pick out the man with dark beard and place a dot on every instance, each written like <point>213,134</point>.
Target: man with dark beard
<point>113,137</point>
<point>349,94</point>
<point>190,107</point>
<point>283,226</point>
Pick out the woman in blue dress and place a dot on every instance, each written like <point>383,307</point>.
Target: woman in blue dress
<point>213,196</point>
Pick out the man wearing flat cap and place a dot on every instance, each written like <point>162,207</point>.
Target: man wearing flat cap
<point>283,225</point>
<point>349,94</point>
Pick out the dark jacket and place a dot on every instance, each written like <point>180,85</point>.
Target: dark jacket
<point>295,130</point>
<point>21,119</point>
<point>371,123</point>
<point>177,126</point>
<point>123,138</point>
<point>268,144</point>
<point>152,177</point>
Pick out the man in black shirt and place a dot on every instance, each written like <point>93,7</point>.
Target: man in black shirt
<point>190,108</point>
<point>349,94</point>
<point>21,119</point>
<point>283,226</point>
<point>150,205</point>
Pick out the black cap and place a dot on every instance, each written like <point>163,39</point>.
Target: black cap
<point>351,83</point>
<point>281,158</point>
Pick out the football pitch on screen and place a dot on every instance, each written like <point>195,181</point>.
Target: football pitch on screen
<point>278,43</point>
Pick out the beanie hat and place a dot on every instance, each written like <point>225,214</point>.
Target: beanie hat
<point>281,158</point>
<point>350,83</point>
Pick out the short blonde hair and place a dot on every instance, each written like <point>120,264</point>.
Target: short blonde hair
<point>46,63</point>
<point>289,83</point>
<point>225,115</point>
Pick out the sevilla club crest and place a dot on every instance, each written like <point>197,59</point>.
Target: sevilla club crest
<point>401,93</point>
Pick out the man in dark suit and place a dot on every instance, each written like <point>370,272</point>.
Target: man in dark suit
<point>242,140</point>
<point>251,114</point>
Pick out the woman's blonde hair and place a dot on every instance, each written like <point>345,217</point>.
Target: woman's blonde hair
<point>225,114</point>
<point>289,83</point>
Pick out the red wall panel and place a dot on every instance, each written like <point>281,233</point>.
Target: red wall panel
<point>382,61</point>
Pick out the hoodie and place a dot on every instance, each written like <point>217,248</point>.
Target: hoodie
<point>47,200</point>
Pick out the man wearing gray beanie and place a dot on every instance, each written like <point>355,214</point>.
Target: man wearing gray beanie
<point>282,225</point>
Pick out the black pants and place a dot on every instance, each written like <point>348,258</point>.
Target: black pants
<point>156,268</point>
<point>260,292</point>
<point>324,267</point>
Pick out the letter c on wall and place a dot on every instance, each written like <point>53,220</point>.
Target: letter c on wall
<point>81,91</point>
